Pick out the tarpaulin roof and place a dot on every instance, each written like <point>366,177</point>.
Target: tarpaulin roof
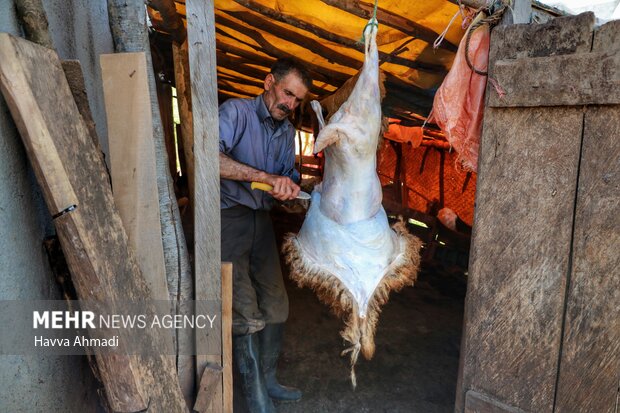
<point>325,34</point>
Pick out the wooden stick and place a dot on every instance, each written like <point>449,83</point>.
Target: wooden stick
<point>395,21</point>
<point>32,15</point>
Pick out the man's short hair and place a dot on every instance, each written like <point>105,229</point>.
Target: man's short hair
<point>285,65</point>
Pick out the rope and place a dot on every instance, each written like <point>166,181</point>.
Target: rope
<point>372,22</point>
<point>439,39</point>
<point>492,20</point>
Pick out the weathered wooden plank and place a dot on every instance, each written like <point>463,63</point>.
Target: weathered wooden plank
<point>479,403</point>
<point>581,79</point>
<point>132,161</point>
<point>103,267</point>
<point>59,194</point>
<point>521,240</point>
<point>560,36</point>
<point>227,362</point>
<point>519,257</point>
<point>590,363</point>
<point>211,379</point>
<point>202,64</point>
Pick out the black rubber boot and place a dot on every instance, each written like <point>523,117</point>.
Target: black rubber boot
<point>252,382</point>
<point>270,345</point>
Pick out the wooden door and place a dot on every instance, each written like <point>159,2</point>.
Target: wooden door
<point>542,314</point>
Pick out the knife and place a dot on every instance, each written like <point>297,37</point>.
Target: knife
<point>266,187</point>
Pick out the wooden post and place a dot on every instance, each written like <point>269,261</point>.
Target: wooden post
<point>212,376</point>
<point>208,285</point>
<point>33,17</point>
<point>184,99</point>
<point>227,297</point>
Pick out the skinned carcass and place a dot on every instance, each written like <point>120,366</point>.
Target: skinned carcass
<point>346,250</point>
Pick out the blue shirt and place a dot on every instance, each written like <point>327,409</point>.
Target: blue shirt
<point>248,134</point>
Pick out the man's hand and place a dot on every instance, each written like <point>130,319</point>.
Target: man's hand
<point>284,189</point>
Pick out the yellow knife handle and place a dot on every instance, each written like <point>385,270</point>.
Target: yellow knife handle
<point>261,186</point>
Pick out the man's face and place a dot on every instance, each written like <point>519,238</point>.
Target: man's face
<point>282,97</point>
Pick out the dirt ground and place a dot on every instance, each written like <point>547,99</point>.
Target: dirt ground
<point>417,350</point>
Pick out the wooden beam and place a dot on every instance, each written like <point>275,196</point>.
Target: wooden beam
<point>242,66</point>
<point>293,36</point>
<point>224,86</point>
<point>222,95</point>
<point>324,51</point>
<point>240,80</point>
<point>320,32</point>
<point>208,284</point>
<point>365,10</point>
<point>172,21</point>
<point>318,72</point>
<point>588,78</point>
<point>406,92</point>
<point>259,59</point>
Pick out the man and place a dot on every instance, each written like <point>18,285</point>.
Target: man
<point>257,144</point>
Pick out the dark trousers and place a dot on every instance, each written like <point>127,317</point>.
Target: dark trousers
<point>259,296</point>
